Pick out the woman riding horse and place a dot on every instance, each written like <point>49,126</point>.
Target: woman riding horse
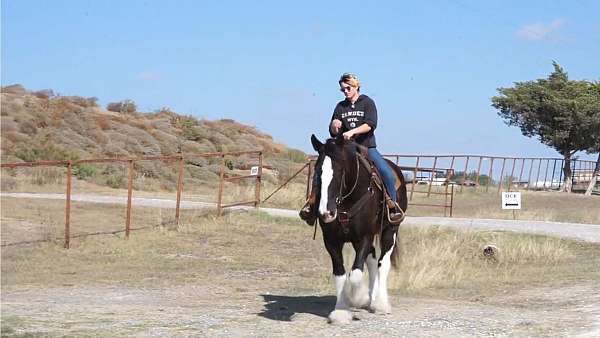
<point>356,117</point>
<point>351,210</point>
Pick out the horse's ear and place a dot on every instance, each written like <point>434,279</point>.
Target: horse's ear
<point>317,145</point>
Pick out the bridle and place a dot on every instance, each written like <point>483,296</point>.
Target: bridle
<point>345,216</point>
<point>340,199</point>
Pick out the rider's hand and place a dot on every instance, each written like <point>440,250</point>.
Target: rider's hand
<point>335,126</point>
<point>348,135</point>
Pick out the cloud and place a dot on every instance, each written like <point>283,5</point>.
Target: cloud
<point>148,76</point>
<point>541,31</point>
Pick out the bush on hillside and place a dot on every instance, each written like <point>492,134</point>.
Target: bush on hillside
<point>14,89</point>
<point>125,106</point>
<point>44,94</point>
<point>46,153</point>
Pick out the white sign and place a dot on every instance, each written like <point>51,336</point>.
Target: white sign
<point>511,200</point>
<point>254,171</point>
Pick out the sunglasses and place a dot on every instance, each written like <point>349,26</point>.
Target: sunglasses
<point>345,89</point>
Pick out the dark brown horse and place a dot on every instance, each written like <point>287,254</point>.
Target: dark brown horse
<point>351,210</point>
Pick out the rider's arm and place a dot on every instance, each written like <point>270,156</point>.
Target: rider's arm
<point>363,128</point>
<point>335,126</point>
<point>370,114</point>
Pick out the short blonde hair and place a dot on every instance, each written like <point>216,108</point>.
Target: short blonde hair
<point>350,79</point>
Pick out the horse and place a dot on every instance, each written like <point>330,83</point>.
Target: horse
<point>351,209</point>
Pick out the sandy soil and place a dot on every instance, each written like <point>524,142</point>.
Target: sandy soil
<point>243,308</point>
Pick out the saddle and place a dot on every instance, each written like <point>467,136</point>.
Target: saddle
<point>372,168</point>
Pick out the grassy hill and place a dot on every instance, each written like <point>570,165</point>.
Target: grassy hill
<point>43,126</point>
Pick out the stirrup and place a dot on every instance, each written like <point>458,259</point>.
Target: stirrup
<point>395,214</point>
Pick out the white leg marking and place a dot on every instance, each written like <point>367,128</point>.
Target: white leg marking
<point>358,295</point>
<point>326,177</point>
<point>373,278</point>
<point>356,276</point>
<point>340,282</point>
<point>340,315</point>
<point>382,303</point>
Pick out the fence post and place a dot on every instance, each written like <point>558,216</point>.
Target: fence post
<point>537,179</point>
<point>465,174</point>
<point>129,192</point>
<point>412,188</point>
<point>179,188</point>
<point>451,199</point>
<point>501,183</point>
<point>521,173</point>
<point>221,178</point>
<point>431,177</point>
<point>68,207</point>
<point>478,171</point>
<point>529,176</point>
<point>258,180</point>
<point>490,174</point>
<point>553,172</point>
<point>511,174</point>
<point>308,180</point>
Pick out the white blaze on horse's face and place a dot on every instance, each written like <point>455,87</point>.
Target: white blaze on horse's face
<point>326,178</point>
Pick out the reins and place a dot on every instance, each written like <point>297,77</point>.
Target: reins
<point>341,199</point>
<point>345,216</point>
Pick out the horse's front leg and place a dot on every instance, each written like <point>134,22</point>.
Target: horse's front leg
<point>380,302</point>
<point>358,295</point>
<point>341,313</point>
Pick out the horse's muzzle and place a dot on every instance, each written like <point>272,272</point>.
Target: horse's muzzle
<point>329,216</point>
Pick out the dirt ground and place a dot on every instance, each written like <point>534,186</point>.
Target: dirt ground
<point>244,275</point>
<point>244,307</point>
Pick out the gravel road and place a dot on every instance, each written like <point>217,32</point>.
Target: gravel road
<point>585,232</point>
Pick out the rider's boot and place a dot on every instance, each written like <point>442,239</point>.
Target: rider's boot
<point>308,212</point>
<point>396,214</point>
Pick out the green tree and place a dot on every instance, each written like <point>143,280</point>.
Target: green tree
<point>562,113</point>
<point>595,144</point>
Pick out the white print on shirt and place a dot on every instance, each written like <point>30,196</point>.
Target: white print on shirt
<point>353,113</point>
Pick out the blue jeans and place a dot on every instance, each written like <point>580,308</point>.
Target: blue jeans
<point>384,169</point>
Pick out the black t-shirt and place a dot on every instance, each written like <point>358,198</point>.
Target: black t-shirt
<point>354,115</point>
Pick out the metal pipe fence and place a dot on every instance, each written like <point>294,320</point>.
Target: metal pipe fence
<point>129,162</point>
<point>543,173</point>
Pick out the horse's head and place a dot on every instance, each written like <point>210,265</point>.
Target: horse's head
<point>335,157</point>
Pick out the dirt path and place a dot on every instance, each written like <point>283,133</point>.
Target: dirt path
<point>586,232</point>
<point>213,310</point>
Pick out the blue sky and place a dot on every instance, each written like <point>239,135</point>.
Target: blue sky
<point>430,66</point>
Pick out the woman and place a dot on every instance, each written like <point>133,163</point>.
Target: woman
<point>356,116</point>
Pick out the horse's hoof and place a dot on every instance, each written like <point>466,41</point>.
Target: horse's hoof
<point>359,299</point>
<point>379,308</point>
<point>340,317</point>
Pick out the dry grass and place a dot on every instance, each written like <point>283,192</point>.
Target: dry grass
<point>275,251</point>
<point>437,258</point>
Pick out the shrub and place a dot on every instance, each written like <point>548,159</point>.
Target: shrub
<point>27,127</point>
<point>47,152</point>
<point>115,181</point>
<point>44,93</point>
<point>295,155</point>
<point>125,106</point>
<point>83,171</point>
<point>14,89</point>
